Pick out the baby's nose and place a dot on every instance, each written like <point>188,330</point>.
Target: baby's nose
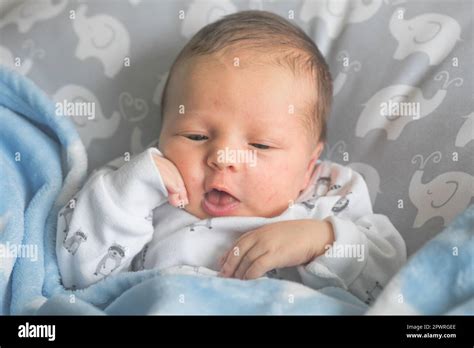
<point>227,157</point>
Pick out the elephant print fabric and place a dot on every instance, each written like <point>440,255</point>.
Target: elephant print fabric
<point>402,112</point>
<point>443,196</point>
<point>102,37</point>
<point>336,14</point>
<point>26,14</point>
<point>90,126</point>
<point>432,33</point>
<point>406,104</point>
<point>22,65</point>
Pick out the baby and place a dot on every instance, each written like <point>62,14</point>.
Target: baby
<point>236,188</point>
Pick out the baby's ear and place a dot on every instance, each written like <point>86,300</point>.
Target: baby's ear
<point>318,150</point>
<point>315,154</point>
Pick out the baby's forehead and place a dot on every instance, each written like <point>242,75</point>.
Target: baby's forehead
<point>255,61</point>
<point>291,59</point>
<point>203,73</point>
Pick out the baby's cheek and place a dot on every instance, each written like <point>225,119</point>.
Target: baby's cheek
<point>195,193</point>
<point>193,185</point>
<point>279,187</point>
<point>272,202</point>
<point>269,189</point>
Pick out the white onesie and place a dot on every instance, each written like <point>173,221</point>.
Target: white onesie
<point>121,221</point>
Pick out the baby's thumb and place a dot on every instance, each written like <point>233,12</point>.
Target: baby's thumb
<point>178,199</point>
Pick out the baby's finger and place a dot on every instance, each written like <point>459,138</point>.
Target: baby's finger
<point>259,267</point>
<point>179,189</point>
<point>235,256</point>
<point>222,260</point>
<point>247,260</point>
<point>173,199</point>
<point>176,201</point>
<point>176,187</point>
<point>248,234</point>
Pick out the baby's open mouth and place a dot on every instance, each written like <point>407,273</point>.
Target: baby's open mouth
<point>219,203</point>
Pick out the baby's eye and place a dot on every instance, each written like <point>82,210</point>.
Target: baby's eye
<point>196,137</point>
<point>261,146</point>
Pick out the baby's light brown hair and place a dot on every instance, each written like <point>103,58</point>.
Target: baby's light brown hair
<point>263,31</point>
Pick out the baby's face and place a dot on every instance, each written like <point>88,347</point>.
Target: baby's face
<point>237,136</point>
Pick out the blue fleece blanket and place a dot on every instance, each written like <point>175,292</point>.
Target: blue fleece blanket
<point>43,163</point>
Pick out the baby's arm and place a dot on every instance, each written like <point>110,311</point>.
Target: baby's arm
<point>367,249</point>
<point>276,245</point>
<point>355,250</point>
<point>110,220</point>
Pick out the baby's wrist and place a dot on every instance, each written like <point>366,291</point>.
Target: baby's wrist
<point>324,237</point>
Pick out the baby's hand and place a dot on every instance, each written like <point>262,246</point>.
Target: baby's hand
<point>177,194</point>
<point>277,245</point>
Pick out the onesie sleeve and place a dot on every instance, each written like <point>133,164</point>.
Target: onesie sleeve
<point>109,221</point>
<point>367,251</point>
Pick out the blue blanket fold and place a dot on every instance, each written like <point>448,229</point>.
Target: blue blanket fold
<point>32,138</point>
<point>43,163</point>
<point>439,278</point>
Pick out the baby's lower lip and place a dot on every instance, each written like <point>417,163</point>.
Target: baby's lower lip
<point>218,209</point>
